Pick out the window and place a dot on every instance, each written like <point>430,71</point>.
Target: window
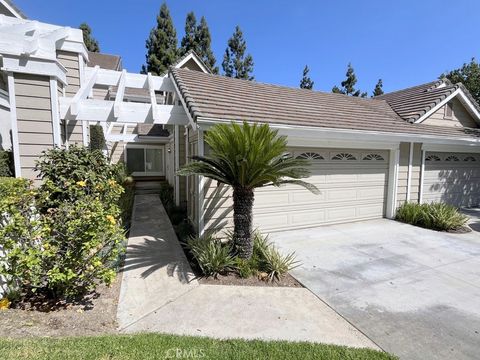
<point>310,156</point>
<point>452,158</point>
<point>146,161</point>
<point>344,156</point>
<point>373,157</point>
<point>432,158</point>
<point>469,158</point>
<point>449,110</point>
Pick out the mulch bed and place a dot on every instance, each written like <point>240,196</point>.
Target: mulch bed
<point>94,316</point>
<point>234,279</point>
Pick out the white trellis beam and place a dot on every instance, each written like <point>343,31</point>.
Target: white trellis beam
<point>117,107</point>
<point>82,93</point>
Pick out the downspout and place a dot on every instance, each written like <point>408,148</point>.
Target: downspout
<point>409,174</point>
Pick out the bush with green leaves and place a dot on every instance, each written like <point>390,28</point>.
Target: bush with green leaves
<point>212,255</point>
<point>97,138</point>
<point>435,216</point>
<point>64,238</point>
<point>6,162</point>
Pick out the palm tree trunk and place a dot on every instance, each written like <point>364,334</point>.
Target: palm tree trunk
<point>242,221</point>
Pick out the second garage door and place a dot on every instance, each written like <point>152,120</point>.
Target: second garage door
<point>453,178</point>
<point>352,183</point>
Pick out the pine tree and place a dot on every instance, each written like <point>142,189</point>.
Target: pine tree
<point>161,44</point>
<point>189,40</point>
<point>306,82</point>
<point>90,42</point>
<point>235,63</point>
<point>348,85</point>
<point>468,75</point>
<point>378,88</point>
<point>204,41</point>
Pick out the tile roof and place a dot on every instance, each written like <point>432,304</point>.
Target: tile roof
<point>414,102</point>
<point>223,98</point>
<point>105,61</point>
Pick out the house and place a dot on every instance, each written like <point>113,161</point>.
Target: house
<point>368,155</point>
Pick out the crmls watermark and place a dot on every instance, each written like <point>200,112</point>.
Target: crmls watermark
<point>178,353</point>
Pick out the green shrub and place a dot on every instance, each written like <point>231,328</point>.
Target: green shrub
<point>167,196</point>
<point>97,138</point>
<point>6,163</point>
<point>435,216</point>
<point>64,238</point>
<point>213,256</point>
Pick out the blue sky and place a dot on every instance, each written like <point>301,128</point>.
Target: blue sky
<point>404,42</point>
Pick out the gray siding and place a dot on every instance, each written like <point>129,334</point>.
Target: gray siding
<point>460,116</point>
<point>34,119</point>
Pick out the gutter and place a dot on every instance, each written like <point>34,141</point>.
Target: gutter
<point>345,134</point>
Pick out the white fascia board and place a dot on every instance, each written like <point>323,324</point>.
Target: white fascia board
<point>35,66</point>
<point>194,58</point>
<point>102,111</point>
<point>465,100</point>
<point>451,148</point>
<point>354,135</point>
<point>137,138</point>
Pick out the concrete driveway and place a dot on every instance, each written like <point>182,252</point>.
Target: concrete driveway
<point>414,292</point>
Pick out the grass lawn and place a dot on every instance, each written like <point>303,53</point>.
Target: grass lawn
<point>156,346</point>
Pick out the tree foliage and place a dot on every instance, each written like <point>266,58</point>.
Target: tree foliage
<point>97,138</point>
<point>236,63</point>
<point>197,38</point>
<point>468,75</point>
<point>378,88</point>
<point>90,42</point>
<point>348,85</point>
<point>161,44</point>
<point>306,82</point>
<point>247,157</point>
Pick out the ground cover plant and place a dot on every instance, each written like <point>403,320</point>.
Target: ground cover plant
<point>435,216</point>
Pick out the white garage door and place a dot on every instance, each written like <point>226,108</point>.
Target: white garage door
<point>352,183</point>
<point>453,178</point>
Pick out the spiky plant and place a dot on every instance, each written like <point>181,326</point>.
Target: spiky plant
<point>247,157</point>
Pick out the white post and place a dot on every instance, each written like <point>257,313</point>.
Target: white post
<point>57,138</point>
<point>81,75</point>
<point>422,174</point>
<point>392,183</point>
<point>177,164</point>
<point>13,120</point>
<point>409,174</point>
<point>201,184</point>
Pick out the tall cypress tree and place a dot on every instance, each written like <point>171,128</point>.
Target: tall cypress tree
<point>306,82</point>
<point>161,44</point>
<point>90,42</point>
<point>204,41</point>
<point>235,63</point>
<point>348,85</point>
<point>189,40</point>
<point>378,88</point>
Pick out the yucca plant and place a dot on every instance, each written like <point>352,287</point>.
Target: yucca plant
<point>247,157</point>
<point>435,215</point>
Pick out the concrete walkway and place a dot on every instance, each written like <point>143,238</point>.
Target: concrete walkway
<point>159,294</point>
<point>415,292</point>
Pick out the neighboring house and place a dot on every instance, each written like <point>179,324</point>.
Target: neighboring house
<point>368,155</point>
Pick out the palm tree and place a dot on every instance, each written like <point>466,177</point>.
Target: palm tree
<point>247,157</point>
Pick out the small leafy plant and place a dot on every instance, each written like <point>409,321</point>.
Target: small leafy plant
<point>213,256</point>
<point>435,216</point>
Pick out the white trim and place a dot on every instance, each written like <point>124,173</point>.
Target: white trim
<point>197,61</point>
<point>12,10</point>
<point>185,107</point>
<point>187,147</point>
<point>13,119</point>
<point>177,163</point>
<point>349,134</point>
<point>201,184</point>
<point>117,106</point>
<point>451,148</point>
<point>35,66</point>
<point>409,173</point>
<point>137,138</point>
<point>422,175</point>
<point>81,72</point>
<point>391,206</point>
<point>466,101</point>
<point>83,92</point>
<point>57,138</point>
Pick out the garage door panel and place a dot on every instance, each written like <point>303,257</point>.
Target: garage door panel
<point>350,190</point>
<point>453,182</point>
